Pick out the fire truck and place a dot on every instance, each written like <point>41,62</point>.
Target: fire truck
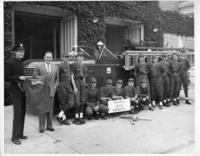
<point>109,65</point>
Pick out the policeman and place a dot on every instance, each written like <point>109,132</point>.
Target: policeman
<point>93,106</point>
<point>106,93</point>
<point>156,84</point>
<point>78,71</point>
<point>65,91</point>
<point>174,79</point>
<point>141,70</point>
<point>118,90</point>
<point>184,75</point>
<point>130,92</point>
<point>144,96</point>
<point>165,77</point>
<point>15,75</point>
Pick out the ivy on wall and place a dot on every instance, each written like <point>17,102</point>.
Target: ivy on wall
<point>90,33</point>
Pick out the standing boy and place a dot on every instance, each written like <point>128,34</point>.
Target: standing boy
<point>156,83</point>
<point>65,91</point>
<point>78,71</point>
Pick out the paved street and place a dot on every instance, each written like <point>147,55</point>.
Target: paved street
<point>170,131</point>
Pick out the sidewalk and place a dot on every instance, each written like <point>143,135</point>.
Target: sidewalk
<point>170,131</point>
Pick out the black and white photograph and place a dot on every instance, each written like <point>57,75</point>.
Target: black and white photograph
<point>99,77</point>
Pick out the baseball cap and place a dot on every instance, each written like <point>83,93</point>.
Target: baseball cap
<point>109,81</point>
<point>92,80</point>
<point>130,79</point>
<point>119,81</point>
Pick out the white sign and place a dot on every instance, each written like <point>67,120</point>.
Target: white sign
<point>119,105</point>
<point>108,70</point>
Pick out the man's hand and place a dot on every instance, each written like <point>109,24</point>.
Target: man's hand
<point>144,99</point>
<point>133,99</point>
<point>23,78</point>
<point>109,99</point>
<point>75,90</point>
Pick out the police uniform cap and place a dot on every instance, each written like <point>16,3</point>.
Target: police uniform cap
<point>109,81</point>
<point>119,81</point>
<point>93,80</point>
<point>18,47</point>
<point>130,79</point>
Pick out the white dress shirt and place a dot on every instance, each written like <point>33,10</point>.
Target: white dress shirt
<point>48,67</point>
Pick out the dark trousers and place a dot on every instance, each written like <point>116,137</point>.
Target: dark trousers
<point>80,95</point>
<point>166,92</point>
<point>19,110</point>
<point>140,78</point>
<point>174,83</point>
<point>144,102</point>
<point>43,117</point>
<point>90,111</point>
<point>156,87</point>
<point>65,96</point>
<point>184,80</point>
<point>79,109</point>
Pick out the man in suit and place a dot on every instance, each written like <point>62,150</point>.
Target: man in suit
<point>51,74</point>
<point>15,75</point>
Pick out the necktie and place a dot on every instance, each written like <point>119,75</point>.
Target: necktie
<point>48,68</point>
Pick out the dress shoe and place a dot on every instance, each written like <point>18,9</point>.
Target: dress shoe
<point>59,119</point>
<point>178,102</point>
<point>16,142</point>
<point>51,129</point>
<point>175,103</point>
<point>151,108</point>
<point>166,104</point>
<point>160,107</point>
<point>66,122</point>
<point>133,111</point>
<point>103,117</point>
<point>82,120</point>
<point>41,131</point>
<point>96,117</point>
<point>23,137</point>
<point>188,102</point>
<point>76,121</point>
<point>89,118</point>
